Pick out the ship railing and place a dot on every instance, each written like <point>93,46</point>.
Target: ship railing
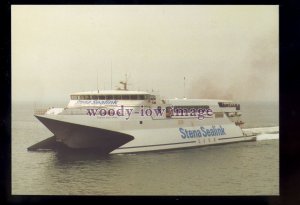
<point>42,108</point>
<point>40,111</point>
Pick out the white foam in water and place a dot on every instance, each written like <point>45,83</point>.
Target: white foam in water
<point>267,137</point>
<point>264,133</point>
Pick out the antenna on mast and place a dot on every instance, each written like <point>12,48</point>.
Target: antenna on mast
<point>97,82</point>
<point>110,75</point>
<point>124,83</point>
<point>184,87</point>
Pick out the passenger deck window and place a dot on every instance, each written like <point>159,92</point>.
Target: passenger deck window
<point>109,97</point>
<point>152,97</point>
<point>94,97</point>
<point>117,97</point>
<point>141,97</point>
<point>133,97</point>
<point>125,97</point>
<point>87,97</point>
<point>101,97</point>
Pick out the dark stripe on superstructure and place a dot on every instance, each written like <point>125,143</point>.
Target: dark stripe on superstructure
<point>157,145</point>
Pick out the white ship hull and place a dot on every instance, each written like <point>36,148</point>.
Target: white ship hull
<point>140,135</point>
<point>123,121</point>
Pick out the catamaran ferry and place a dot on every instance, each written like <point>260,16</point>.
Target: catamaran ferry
<point>123,121</point>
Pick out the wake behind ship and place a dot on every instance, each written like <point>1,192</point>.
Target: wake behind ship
<point>123,121</point>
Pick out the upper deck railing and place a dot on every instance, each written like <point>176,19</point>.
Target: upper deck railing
<point>40,111</point>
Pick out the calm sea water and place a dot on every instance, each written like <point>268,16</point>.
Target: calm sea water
<point>247,168</point>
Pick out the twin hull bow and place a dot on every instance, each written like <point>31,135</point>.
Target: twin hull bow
<point>113,136</point>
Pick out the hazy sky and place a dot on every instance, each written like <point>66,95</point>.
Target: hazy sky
<point>226,52</point>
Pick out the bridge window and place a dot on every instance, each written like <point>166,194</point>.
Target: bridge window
<point>110,97</point>
<point>94,97</point>
<point>133,97</point>
<point>87,97</point>
<point>192,107</point>
<point>225,104</point>
<point>152,97</point>
<point>74,97</point>
<point>125,97</point>
<point>141,97</point>
<point>117,97</point>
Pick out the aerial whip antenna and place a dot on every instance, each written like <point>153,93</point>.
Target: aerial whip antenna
<point>183,87</point>
<point>97,82</point>
<point>110,75</point>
